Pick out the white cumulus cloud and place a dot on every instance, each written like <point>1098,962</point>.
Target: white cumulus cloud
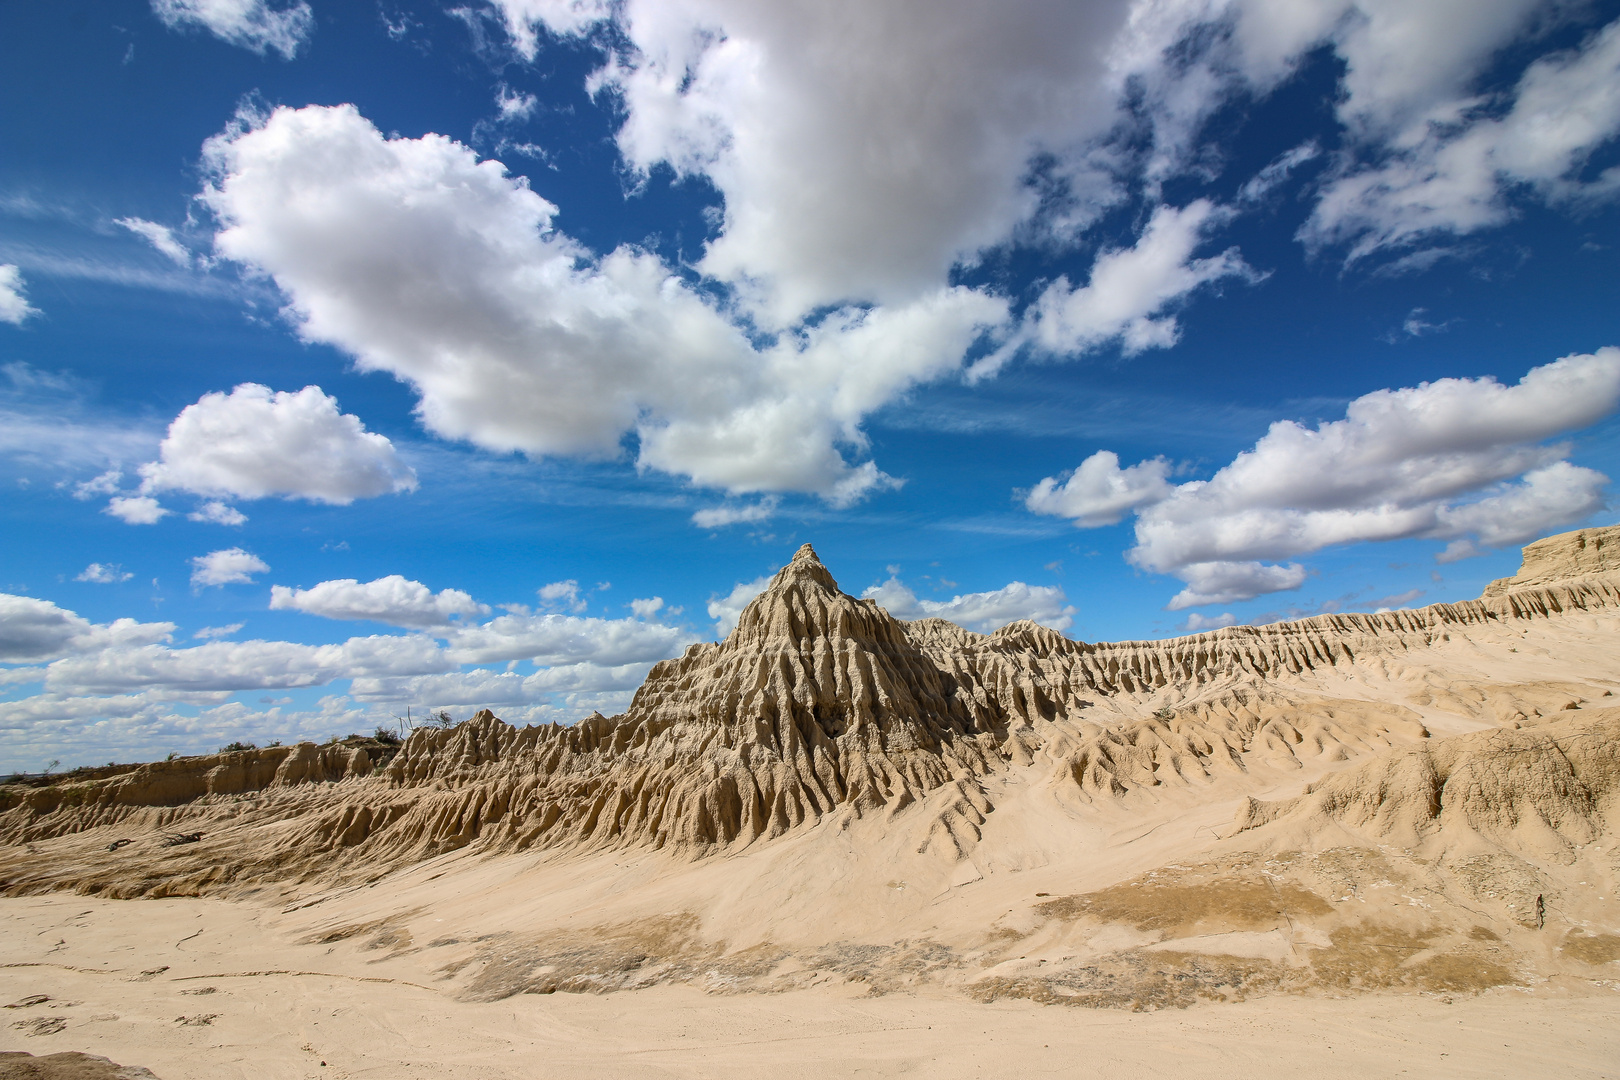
<point>1457,459</point>
<point>647,608</point>
<point>1099,492</point>
<point>136,509</point>
<point>253,443</point>
<point>14,307</point>
<point>1222,582</point>
<point>251,24</point>
<point>230,566</point>
<point>104,574</point>
<point>107,684</point>
<point>241,665</point>
<point>1131,289</point>
<point>482,688</point>
<point>862,157</point>
<point>394,599</point>
<point>33,629</point>
<point>218,513</point>
<point>424,262</point>
<point>982,611</point>
<point>564,639</point>
<point>122,658</point>
<point>862,151</point>
<point>561,594</point>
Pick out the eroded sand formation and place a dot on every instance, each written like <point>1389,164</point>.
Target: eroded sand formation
<point>1421,800</point>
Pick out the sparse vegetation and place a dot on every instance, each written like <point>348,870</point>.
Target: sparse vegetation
<point>387,736</point>
<point>71,776</point>
<point>236,747</point>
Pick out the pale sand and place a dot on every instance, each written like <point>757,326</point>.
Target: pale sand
<point>336,1004</point>
<point>88,956</point>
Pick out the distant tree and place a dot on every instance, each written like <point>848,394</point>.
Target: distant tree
<point>235,747</point>
<point>442,719</point>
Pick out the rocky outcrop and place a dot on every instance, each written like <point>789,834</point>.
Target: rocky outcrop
<point>67,1065</point>
<point>817,701</point>
<point>1558,558</point>
<point>184,780</point>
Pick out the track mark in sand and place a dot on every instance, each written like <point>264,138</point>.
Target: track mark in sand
<point>67,967</point>
<point>29,1001</point>
<point>321,974</point>
<point>1139,836</point>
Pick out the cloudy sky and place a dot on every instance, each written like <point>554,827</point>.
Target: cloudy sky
<point>357,357</point>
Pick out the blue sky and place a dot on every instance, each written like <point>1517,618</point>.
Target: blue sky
<point>359,356</point>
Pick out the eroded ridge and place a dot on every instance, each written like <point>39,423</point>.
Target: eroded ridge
<point>1539,791</point>
<point>819,706</point>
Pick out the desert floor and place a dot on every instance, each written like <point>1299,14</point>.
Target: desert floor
<point>195,989</point>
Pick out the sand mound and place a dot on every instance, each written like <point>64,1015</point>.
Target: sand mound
<point>1545,790</point>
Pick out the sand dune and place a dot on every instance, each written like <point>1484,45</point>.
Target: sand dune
<point>834,806</point>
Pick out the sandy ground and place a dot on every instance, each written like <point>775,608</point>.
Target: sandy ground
<point>213,989</point>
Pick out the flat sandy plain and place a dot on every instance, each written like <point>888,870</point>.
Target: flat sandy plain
<point>207,990</point>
